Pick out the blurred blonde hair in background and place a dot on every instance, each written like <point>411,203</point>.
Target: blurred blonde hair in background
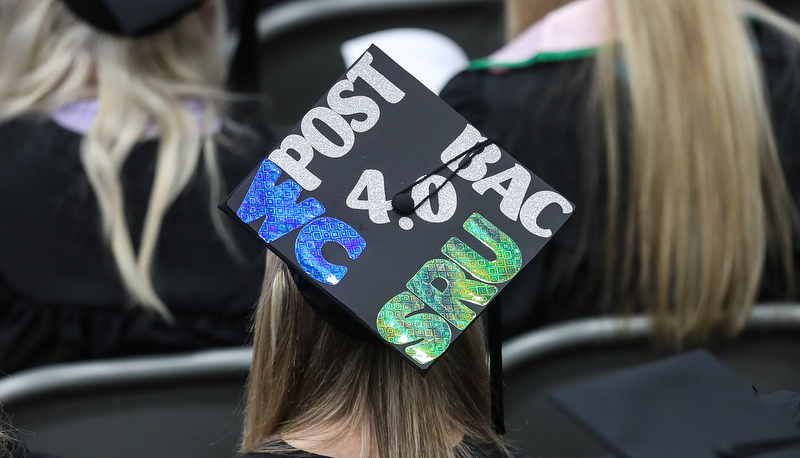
<point>52,58</point>
<point>700,203</point>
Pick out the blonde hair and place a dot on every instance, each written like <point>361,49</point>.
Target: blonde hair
<point>697,197</point>
<point>52,58</point>
<point>306,374</point>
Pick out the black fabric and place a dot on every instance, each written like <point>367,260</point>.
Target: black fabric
<point>244,67</point>
<point>540,114</point>
<point>95,13</point>
<point>127,18</point>
<point>786,403</point>
<point>688,406</point>
<point>15,447</point>
<point>60,295</point>
<point>336,315</point>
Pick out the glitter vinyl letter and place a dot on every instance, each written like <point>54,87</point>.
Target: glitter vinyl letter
<point>534,206</point>
<point>477,167</point>
<point>363,69</point>
<point>319,141</point>
<point>371,183</point>
<point>448,302</point>
<point>396,326</point>
<point>447,197</point>
<point>296,168</point>
<point>508,260</point>
<point>308,248</point>
<point>354,105</point>
<point>278,204</point>
<point>513,196</point>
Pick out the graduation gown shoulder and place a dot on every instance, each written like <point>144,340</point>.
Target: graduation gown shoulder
<point>60,295</point>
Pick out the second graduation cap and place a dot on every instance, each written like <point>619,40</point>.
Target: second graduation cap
<point>398,210</point>
<point>688,406</point>
<point>132,17</point>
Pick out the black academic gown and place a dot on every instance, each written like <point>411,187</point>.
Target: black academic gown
<point>60,295</point>
<point>539,115</point>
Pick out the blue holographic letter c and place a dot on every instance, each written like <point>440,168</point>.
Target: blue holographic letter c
<point>308,248</point>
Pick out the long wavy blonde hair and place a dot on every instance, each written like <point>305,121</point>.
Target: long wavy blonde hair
<point>52,58</point>
<point>307,377</point>
<point>698,202</point>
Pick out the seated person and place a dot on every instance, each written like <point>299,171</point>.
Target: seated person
<point>116,144</point>
<point>672,125</point>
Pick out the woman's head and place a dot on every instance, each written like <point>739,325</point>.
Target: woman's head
<point>53,58</point>
<point>307,375</point>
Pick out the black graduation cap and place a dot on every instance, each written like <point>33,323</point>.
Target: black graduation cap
<point>689,406</point>
<point>131,17</point>
<point>409,265</point>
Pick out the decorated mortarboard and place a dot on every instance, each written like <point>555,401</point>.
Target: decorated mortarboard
<point>131,17</point>
<point>689,406</point>
<point>398,211</point>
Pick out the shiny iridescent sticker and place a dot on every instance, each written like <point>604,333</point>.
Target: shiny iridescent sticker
<point>314,236</point>
<point>429,334</point>
<point>508,260</point>
<point>449,301</point>
<point>276,204</point>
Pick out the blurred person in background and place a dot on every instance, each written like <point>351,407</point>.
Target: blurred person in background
<point>317,391</point>
<point>674,126</point>
<point>115,149</point>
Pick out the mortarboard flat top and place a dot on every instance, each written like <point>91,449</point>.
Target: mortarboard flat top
<point>689,406</point>
<point>131,17</point>
<point>322,201</point>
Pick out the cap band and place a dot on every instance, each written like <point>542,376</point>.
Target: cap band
<point>329,310</point>
<point>131,18</point>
